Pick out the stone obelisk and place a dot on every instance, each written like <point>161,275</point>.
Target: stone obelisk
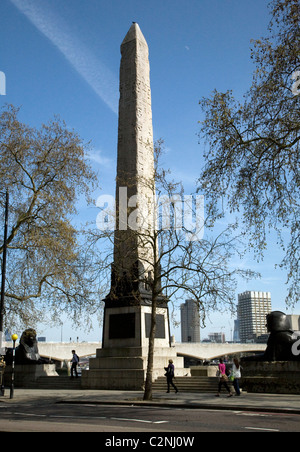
<point>128,305</point>
<point>135,184</point>
<point>122,361</point>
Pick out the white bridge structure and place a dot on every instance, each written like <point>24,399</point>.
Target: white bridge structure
<point>208,351</point>
<point>62,351</point>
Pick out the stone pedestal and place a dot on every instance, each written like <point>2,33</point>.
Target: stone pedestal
<point>122,362</point>
<point>129,326</point>
<point>26,375</point>
<point>125,368</point>
<point>280,377</point>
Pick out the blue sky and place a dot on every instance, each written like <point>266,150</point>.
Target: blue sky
<point>63,56</point>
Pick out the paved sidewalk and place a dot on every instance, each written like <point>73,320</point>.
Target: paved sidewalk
<point>280,403</point>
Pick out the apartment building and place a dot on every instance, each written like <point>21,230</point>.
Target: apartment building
<point>190,322</point>
<point>253,308</point>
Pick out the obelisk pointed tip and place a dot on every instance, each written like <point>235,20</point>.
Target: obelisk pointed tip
<point>134,33</point>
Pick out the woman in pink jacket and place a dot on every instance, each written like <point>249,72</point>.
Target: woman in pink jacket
<point>223,379</point>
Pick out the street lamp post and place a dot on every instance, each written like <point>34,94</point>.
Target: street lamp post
<point>3,272</point>
<point>12,386</point>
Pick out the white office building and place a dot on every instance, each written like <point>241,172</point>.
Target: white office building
<point>253,308</point>
<point>295,322</point>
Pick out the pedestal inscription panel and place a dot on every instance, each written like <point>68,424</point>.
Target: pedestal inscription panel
<point>160,326</point>
<point>122,326</point>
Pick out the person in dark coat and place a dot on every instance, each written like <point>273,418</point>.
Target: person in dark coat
<point>170,375</point>
<point>74,362</point>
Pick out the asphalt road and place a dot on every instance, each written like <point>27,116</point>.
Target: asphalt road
<point>52,417</point>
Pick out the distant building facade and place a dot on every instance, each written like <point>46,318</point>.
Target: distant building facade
<point>190,321</point>
<point>7,335</point>
<point>253,308</point>
<point>217,338</point>
<point>236,332</point>
<point>295,322</point>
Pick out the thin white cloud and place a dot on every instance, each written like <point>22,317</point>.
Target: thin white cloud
<point>97,157</point>
<point>101,79</point>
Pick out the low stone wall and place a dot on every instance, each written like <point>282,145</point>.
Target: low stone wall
<point>25,375</point>
<point>281,377</point>
<point>203,371</point>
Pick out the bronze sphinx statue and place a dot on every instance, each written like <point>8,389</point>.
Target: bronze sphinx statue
<point>27,352</point>
<point>282,341</point>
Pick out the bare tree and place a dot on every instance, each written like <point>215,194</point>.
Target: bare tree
<point>252,157</point>
<point>44,170</point>
<point>181,256</point>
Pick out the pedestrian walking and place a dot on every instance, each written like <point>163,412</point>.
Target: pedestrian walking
<point>170,373</point>
<point>236,373</point>
<point>2,368</point>
<point>223,379</point>
<point>74,362</point>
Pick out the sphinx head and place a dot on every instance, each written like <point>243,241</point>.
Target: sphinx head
<point>29,338</point>
<point>278,322</point>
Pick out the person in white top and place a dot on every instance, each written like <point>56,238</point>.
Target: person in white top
<point>236,372</point>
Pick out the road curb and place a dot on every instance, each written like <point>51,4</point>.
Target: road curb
<point>177,405</point>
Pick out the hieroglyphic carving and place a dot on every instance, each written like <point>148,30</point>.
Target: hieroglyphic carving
<point>135,144</point>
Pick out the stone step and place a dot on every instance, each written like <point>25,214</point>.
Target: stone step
<point>55,383</point>
<point>184,384</point>
<point>133,352</point>
<point>189,384</point>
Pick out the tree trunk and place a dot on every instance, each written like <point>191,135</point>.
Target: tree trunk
<point>149,375</point>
